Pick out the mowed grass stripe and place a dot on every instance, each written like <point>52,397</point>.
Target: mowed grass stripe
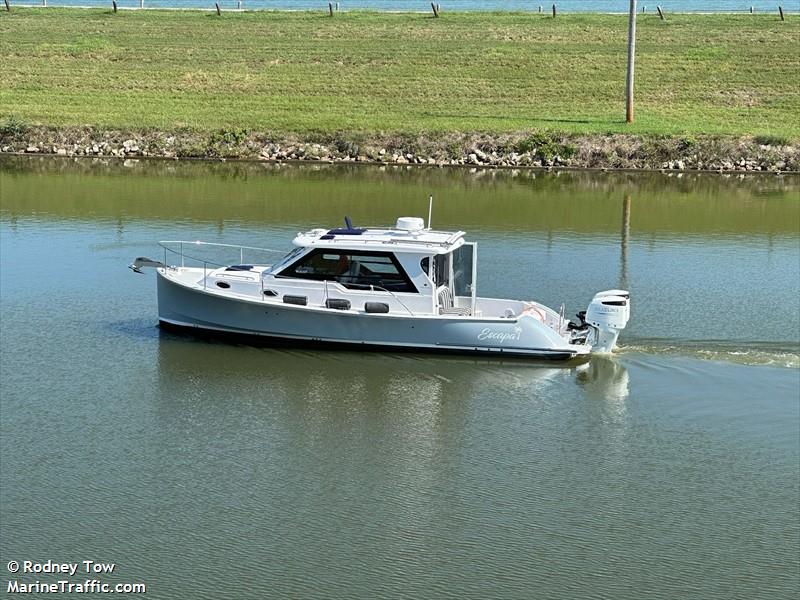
<point>495,72</point>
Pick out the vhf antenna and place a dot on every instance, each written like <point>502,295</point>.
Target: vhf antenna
<point>430,210</point>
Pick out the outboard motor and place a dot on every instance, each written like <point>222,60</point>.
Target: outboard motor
<point>607,315</point>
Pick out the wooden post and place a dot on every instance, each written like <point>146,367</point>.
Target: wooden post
<point>554,11</point>
<point>114,5</point>
<point>330,9</point>
<point>780,10</point>
<point>239,4</point>
<point>751,10</point>
<point>8,6</point>
<point>337,7</point>
<point>540,9</point>
<point>644,8</point>
<point>660,13</point>
<point>435,10</point>
<point>631,62</point>
<point>219,13</point>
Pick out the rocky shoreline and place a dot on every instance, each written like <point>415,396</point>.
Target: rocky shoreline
<point>515,150</point>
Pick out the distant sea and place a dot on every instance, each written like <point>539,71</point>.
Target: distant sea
<point>411,5</point>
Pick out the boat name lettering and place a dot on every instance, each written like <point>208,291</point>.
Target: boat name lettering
<point>500,336</point>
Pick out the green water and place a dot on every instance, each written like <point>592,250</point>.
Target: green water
<point>209,470</point>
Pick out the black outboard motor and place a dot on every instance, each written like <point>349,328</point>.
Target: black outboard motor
<point>581,324</point>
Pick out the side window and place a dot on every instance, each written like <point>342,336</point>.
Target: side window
<point>355,270</point>
<point>425,263</point>
<point>318,265</point>
<point>441,268</point>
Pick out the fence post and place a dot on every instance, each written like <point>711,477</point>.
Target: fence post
<point>554,11</point>
<point>660,13</point>
<point>8,6</point>
<point>239,4</point>
<point>631,62</point>
<point>435,10</point>
<point>114,5</point>
<point>780,10</point>
<point>330,9</point>
<point>540,9</point>
<point>219,13</point>
<point>751,10</point>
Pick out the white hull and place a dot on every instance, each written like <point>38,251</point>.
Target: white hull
<point>188,305</point>
<point>406,288</point>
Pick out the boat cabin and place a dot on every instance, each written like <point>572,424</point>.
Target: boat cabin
<point>408,269</point>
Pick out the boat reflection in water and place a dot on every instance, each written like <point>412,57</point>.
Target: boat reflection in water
<point>605,378</point>
<point>413,387</point>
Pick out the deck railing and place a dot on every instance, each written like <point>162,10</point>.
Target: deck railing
<point>181,249</point>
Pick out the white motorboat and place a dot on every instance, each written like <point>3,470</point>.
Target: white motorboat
<point>402,288</point>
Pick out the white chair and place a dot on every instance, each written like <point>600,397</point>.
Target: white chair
<point>446,304</point>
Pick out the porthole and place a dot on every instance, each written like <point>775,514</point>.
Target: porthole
<point>223,284</point>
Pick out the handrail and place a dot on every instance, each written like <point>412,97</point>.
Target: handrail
<point>201,243</point>
<point>392,294</point>
<point>393,241</point>
<point>165,244</point>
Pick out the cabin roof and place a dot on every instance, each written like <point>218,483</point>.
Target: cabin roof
<point>422,241</point>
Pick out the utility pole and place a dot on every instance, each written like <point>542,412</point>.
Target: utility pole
<point>631,60</point>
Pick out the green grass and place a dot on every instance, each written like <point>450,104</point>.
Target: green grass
<point>304,72</point>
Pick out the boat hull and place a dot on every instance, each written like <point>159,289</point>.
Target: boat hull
<point>273,322</point>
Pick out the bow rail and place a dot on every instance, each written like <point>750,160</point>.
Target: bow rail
<point>181,248</point>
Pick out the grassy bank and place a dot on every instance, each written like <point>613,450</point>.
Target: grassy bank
<point>398,73</point>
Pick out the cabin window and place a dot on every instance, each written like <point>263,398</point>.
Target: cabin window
<point>287,259</point>
<point>441,270</point>
<point>353,269</point>
<point>425,263</point>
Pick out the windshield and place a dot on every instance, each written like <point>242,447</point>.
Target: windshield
<point>285,260</point>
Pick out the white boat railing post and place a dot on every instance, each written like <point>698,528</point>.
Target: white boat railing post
<point>182,264</point>
<point>474,284</point>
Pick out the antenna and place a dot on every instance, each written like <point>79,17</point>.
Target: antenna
<point>430,209</point>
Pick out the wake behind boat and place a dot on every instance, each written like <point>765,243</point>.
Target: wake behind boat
<point>402,288</point>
